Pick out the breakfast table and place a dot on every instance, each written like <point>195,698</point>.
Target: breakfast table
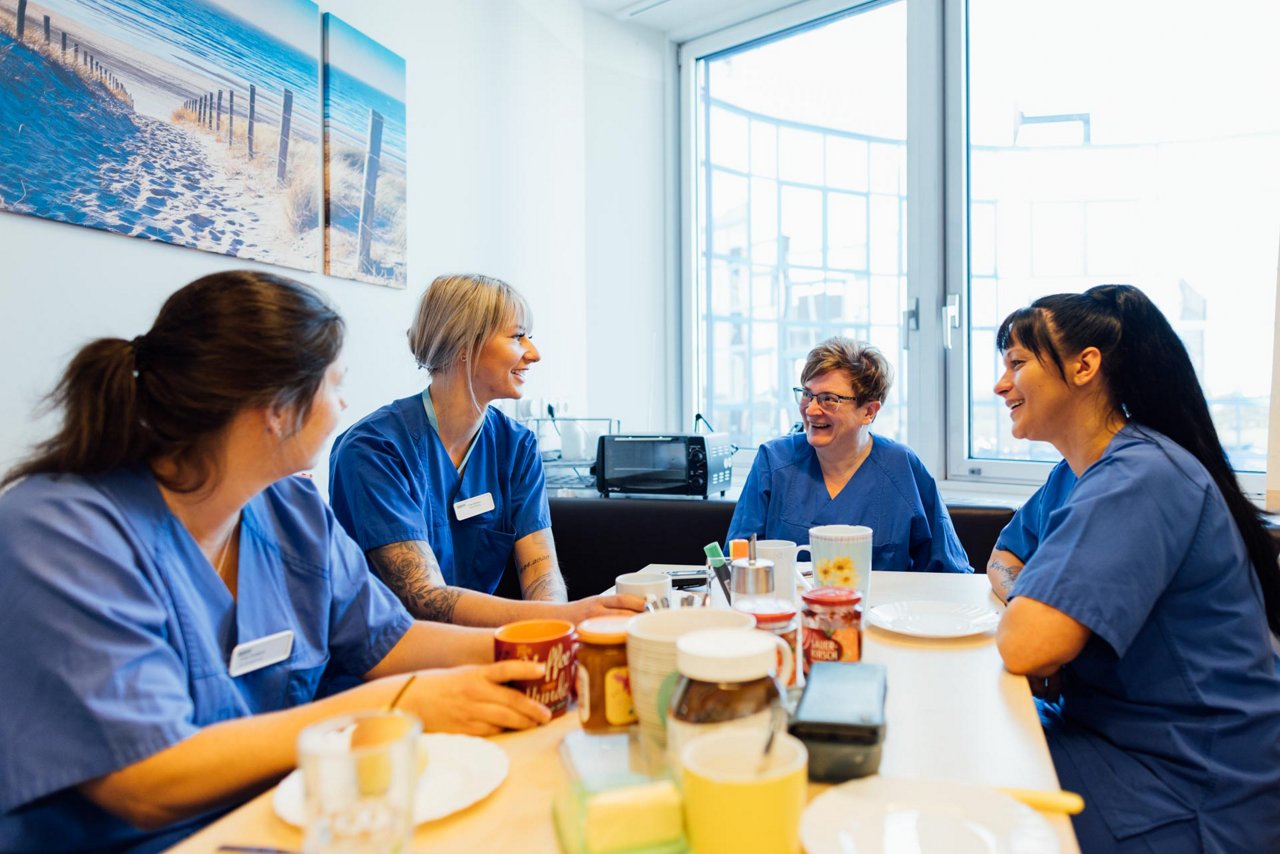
<point>954,716</point>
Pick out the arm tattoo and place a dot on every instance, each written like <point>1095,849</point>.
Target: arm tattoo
<point>548,586</point>
<point>411,571</point>
<point>1005,572</point>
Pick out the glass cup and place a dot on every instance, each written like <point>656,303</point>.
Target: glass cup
<point>359,773</point>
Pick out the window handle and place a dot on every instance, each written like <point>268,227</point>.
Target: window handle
<point>910,323</point>
<point>950,319</point>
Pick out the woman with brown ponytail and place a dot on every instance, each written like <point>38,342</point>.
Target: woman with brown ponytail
<point>1141,585</point>
<point>172,600</point>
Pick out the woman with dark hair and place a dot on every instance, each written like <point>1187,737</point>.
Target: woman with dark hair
<point>172,601</point>
<point>1141,585</point>
<point>838,472</point>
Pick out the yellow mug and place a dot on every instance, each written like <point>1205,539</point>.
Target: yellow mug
<point>734,802</point>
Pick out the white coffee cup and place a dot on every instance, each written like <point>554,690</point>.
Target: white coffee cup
<point>642,584</point>
<point>841,556</point>
<point>783,553</point>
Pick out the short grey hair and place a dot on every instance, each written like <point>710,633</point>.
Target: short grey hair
<point>458,313</point>
<point>866,366</point>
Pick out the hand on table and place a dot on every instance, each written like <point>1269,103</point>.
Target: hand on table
<point>613,605</point>
<point>473,699</point>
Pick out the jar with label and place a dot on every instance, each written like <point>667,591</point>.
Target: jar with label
<point>777,617</point>
<point>604,682</point>
<point>726,681</point>
<point>832,625</point>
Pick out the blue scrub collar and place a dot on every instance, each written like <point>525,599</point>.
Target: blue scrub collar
<point>435,425</point>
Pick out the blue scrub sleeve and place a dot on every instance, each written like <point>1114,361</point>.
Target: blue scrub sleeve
<point>370,489</point>
<point>935,547</point>
<point>1108,554</point>
<point>366,619</point>
<point>530,511</point>
<point>752,510</point>
<point>90,681</point>
<point>1022,535</point>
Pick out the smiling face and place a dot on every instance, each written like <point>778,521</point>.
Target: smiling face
<point>842,429</point>
<point>501,363</point>
<point>1038,398</point>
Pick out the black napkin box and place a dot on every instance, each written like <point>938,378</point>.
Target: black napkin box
<point>840,719</point>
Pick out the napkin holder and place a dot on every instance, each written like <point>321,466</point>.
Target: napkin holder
<point>840,719</point>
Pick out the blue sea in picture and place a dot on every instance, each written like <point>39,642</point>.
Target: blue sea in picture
<point>132,128</point>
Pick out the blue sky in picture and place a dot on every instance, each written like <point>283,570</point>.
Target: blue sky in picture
<point>362,74</point>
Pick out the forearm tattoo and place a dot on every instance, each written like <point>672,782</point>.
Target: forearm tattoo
<point>547,586</point>
<point>1006,573</point>
<point>413,574</point>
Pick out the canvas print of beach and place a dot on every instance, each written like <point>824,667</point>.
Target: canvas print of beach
<point>193,122</point>
<point>364,90</point>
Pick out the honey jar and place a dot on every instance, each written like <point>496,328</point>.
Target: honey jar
<point>604,682</point>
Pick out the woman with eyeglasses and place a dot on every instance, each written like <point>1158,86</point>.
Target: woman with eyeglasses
<point>838,472</point>
<point>1141,584</point>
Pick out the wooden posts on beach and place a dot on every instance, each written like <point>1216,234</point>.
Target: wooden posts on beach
<point>231,115</point>
<point>209,115</point>
<point>64,45</point>
<point>253,97</point>
<point>22,17</point>
<point>200,111</point>
<point>46,29</point>
<point>218,127</point>
<point>286,116</point>
<point>372,162</point>
<point>75,57</point>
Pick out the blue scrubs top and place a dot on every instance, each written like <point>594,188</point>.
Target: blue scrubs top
<point>1169,719</point>
<point>117,635</point>
<point>1022,535</point>
<point>891,492</point>
<point>391,480</point>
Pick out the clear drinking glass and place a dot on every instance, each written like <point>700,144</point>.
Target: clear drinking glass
<point>359,773</point>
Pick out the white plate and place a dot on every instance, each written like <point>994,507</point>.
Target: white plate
<point>928,619</point>
<point>879,814</point>
<point>461,769</point>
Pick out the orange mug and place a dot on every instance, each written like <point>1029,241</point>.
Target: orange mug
<point>553,642</point>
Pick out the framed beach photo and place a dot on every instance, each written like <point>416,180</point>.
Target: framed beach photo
<point>192,122</point>
<point>365,155</point>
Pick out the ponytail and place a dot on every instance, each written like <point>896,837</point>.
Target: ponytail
<point>1151,379</point>
<point>221,344</point>
<point>102,426</point>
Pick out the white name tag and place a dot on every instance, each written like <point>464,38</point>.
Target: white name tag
<point>469,507</point>
<point>260,653</point>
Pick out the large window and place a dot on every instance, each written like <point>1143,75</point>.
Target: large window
<point>801,214</point>
<point>1027,147</point>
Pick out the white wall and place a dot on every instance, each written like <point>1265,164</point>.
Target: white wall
<point>536,139</point>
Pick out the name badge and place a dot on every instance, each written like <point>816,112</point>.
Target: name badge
<point>260,653</point>
<point>469,507</point>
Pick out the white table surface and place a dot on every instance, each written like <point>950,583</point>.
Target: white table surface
<point>953,713</point>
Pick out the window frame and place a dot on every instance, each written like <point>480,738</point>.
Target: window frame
<point>937,231</point>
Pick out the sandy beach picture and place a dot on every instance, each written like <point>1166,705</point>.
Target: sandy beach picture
<point>193,122</point>
<point>364,121</point>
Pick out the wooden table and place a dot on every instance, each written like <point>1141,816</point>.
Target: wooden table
<point>954,713</point>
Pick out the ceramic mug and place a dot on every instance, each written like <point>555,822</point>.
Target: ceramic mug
<point>736,802</point>
<point>841,556</point>
<point>783,553</point>
<point>553,642</point>
<point>643,584</point>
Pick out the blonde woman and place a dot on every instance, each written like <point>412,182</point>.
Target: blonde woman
<point>440,489</point>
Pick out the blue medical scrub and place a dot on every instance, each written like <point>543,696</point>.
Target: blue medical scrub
<point>891,492</point>
<point>1169,719</point>
<point>391,480</point>
<point>117,635</point>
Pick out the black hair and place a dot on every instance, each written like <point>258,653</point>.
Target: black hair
<point>1150,377</point>
<point>222,343</point>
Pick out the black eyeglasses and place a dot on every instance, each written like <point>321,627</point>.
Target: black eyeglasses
<point>828,400</point>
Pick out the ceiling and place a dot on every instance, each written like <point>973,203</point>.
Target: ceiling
<point>682,20</point>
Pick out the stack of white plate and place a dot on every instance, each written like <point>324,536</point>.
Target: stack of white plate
<point>651,658</point>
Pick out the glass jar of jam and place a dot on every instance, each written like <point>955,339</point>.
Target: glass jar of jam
<point>777,617</point>
<point>604,682</point>
<point>726,679</point>
<point>832,625</point>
